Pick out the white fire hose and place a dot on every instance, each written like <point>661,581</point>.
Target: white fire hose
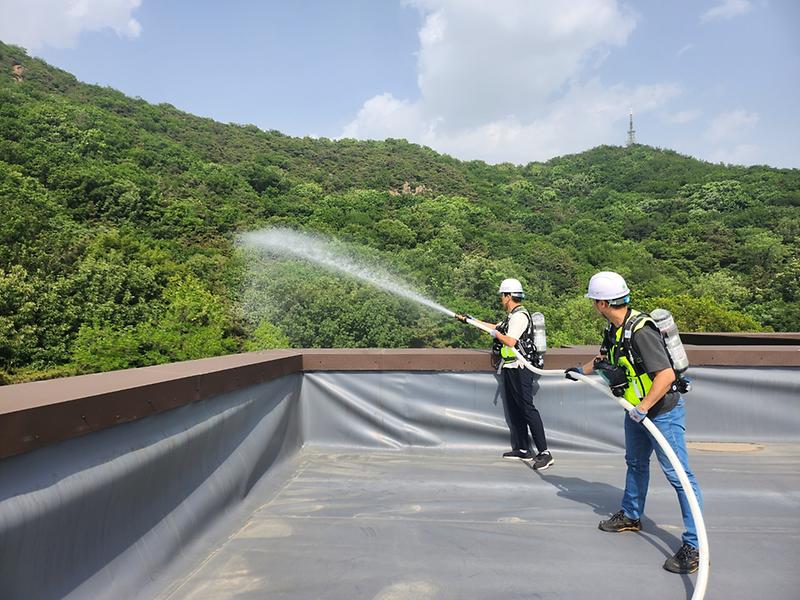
<point>694,505</point>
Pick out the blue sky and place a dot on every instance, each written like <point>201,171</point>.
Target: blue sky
<point>507,80</point>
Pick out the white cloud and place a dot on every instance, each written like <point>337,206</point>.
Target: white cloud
<point>387,117</point>
<point>58,23</point>
<point>685,48</point>
<point>482,61</point>
<point>588,115</point>
<point>513,80</point>
<point>738,154</point>
<point>730,125</point>
<point>727,9</point>
<point>727,135</point>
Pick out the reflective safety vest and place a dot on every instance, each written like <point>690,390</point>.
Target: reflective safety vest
<point>524,345</point>
<point>620,354</point>
<point>507,354</point>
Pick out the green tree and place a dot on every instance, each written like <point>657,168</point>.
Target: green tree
<point>266,336</point>
<point>393,234</point>
<point>18,318</point>
<point>119,221</point>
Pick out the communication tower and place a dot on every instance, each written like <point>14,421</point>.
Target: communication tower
<point>631,131</point>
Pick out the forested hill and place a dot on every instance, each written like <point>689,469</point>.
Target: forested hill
<point>118,221</point>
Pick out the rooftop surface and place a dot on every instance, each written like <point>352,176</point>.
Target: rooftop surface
<point>473,525</point>
<point>377,474</point>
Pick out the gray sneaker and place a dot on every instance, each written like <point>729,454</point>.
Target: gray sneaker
<point>544,460</point>
<point>518,455</point>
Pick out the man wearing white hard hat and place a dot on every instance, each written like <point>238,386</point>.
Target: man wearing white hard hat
<point>520,384</point>
<point>636,363</point>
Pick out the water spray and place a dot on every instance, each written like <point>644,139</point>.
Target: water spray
<point>317,249</point>
<point>694,505</point>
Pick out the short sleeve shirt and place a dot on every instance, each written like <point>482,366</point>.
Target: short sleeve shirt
<point>517,324</point>
<point>647,344</point>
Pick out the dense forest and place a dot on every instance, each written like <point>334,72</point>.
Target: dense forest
<point>119,220</point>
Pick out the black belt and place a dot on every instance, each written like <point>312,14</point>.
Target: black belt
<point>666,404</point>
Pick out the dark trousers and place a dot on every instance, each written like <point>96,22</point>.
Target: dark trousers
<point>520,386</point>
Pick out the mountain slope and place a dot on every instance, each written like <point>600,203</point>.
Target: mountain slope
<point>119,221</point>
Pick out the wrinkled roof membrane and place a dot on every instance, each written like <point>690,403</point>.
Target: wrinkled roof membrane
<point>388,485</point>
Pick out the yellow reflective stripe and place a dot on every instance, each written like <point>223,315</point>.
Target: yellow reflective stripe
<point>507,353</point>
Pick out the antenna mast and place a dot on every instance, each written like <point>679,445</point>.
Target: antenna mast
<point>631,131</point>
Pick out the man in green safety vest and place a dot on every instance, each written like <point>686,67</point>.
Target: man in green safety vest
<point>519,384</point>
<point>635,362</point>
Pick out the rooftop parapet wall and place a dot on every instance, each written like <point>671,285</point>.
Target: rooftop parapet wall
<point>37,414</point>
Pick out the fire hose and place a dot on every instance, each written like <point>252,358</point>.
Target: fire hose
<point>694,505</point>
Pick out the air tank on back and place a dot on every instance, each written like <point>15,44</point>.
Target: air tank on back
<point>539,333</point>
<point>669,330</point>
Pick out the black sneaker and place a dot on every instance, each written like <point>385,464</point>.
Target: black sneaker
<point>518,455</point>
<point>686,560</point>
<point>619,522</point>
<point>543,461</point>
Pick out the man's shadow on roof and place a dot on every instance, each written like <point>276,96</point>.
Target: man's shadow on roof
<point>604,499</point>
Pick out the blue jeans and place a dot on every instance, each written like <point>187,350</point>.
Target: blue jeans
<point>639,445</point>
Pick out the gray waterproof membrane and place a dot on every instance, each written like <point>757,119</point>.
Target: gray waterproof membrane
<point>389,485</point>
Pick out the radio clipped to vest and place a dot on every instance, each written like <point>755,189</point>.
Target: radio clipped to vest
<point>616,377</point>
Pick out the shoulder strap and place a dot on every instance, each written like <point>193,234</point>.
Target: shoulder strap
<point>503,326</point>
<point>607,343</point>
<point>634,324</point>
<point>642,320</point>
<point>635,321</point>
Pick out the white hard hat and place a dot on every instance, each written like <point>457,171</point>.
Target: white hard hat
<point>607,285</point>
<point>511,286</point>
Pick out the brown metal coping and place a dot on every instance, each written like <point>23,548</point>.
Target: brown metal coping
<point>742,339</point>
<point>37,414</point>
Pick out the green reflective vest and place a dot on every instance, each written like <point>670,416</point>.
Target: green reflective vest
<point>620,354</point>
<point>506,352</point>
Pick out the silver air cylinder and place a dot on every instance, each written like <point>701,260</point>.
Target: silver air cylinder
<point>539,333</point>
<point>666,324</point>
